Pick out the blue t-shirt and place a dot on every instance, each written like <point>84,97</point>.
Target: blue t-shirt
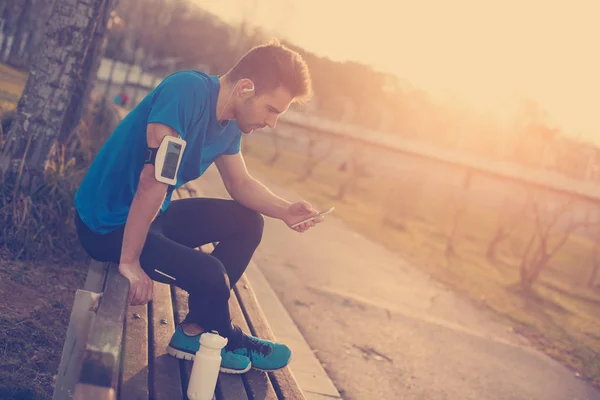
<point>185,101</point>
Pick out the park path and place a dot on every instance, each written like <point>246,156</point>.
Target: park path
<point>385,330</point>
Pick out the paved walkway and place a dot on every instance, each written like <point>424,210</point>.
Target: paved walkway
<point>382,329</point>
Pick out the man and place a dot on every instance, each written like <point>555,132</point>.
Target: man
<point>124,209</point>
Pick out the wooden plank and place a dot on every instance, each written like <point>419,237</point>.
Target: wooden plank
<point>230,386</point>
<point>134,375</point>
<point>164,369</point>
<point>91,392</point>
<point>180,305</point>
<point>283,380</point>
<point>82,315</point>
<point>256,382</point>
<point>102,352</point>
<point>96,276</point>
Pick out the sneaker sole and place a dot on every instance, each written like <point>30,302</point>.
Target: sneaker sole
<point>182,355</point>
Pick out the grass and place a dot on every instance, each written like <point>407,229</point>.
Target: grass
<point>560,315</point>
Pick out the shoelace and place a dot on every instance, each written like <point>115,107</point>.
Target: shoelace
<point>249,342</point>
<point>257,346</point>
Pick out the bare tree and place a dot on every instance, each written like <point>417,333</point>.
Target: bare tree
<point>46,99</point>
<point>595,264</point>
<point>508,221</point>
<point>594,232</point>
<point>553,227</point>
<point>87,75</point>
<point>11,10</point>
<point>356,168</point>
<point>21,32</point>
<point>400,200</point>
<point>276,139</point>
<point>460,208</point>
<point>313,156</point>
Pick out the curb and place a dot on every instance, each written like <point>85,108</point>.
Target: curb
<point>306,368</point>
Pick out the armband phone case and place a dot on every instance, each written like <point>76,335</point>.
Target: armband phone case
<point>168,159</point>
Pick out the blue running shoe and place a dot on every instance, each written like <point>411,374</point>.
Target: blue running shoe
<point>185,347</point>
<point>263,354</point>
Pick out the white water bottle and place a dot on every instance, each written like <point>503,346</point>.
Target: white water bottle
<point>205,370</point>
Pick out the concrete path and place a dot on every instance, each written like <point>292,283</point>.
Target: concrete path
<point>382,329</point>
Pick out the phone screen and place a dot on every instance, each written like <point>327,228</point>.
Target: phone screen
<point>171,158</point>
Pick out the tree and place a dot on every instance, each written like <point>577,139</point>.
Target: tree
<point>52,83</point>
<point>508,221</point>
<point>356,168</point>
<point>594,232</point>
<point>275,137</point>
<point>85,81</point>
<point>553,227</point>
<point>460,208</point>
<point>313,158</point>
<point>24,22</point>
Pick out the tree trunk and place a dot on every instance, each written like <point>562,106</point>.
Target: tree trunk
<point>136,89</point>
<point>9,30</point>
<point>23,30</point>
<point>525,262</point>
<point>46,98</point>
<point>490,254</point>
<point>34,40</point>
<point>277,149</point>
<point>458,213</point>
<point>595,265</point>
<point>110,78</point>
<point>91,63</point>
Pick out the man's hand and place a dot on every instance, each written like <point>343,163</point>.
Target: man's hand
<point>141,286</point>
<point>299,211</point>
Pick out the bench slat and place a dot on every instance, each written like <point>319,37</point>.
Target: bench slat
<point>165,375</point>
<point>230,386</point>
<point>102,352</point>
<point>284,383</point>
<point>82,315</point>
<point>134,376</point>
<point>180,297</point>
<point>257,382</point>
<point>96,276</point>
<point>88,392</point>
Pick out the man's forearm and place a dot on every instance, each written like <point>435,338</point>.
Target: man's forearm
<point>256,196</point>
<point>146,203</point>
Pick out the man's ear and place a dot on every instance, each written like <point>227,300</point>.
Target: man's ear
<point>247,86</point>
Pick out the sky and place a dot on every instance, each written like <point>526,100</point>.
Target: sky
<point>482,52</point>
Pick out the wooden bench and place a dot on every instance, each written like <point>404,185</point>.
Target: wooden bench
<point>113,351</point>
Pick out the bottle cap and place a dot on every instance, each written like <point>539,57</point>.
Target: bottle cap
<point>212,340</point>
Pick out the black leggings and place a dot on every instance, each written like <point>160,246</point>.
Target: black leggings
<point>169,248</point>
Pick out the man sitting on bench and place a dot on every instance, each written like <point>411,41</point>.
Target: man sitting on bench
<point>124,209</point>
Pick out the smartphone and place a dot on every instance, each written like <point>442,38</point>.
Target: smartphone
<point>313,217</point>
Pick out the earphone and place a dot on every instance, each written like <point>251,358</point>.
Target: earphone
<point>245,90</point>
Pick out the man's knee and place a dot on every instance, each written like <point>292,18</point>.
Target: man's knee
<point>253,223</point>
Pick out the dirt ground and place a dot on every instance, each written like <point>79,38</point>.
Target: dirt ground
<point>35,304</point>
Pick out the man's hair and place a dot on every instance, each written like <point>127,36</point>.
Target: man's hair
<point>271,65</point>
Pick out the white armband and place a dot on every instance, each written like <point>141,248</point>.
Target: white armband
<point>166,159</point>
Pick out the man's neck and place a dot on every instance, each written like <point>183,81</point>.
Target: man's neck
<point>225,100</point>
